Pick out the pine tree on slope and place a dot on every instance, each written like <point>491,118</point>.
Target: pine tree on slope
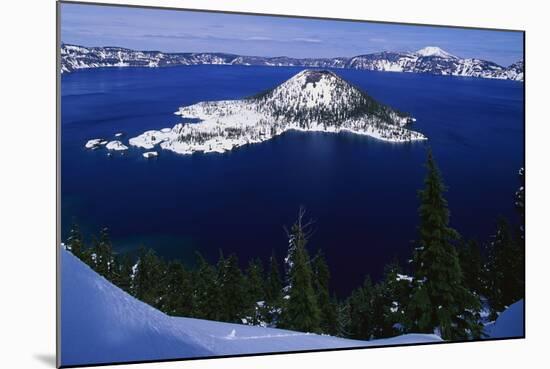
<point>471,264</point>
<point>301,312</point>
<point>361,311</point>
<point>273,292</point>
<point>75,243</point>
<point>122,275</point>
<point>343,321</point>
<point>103,252</point>
<point>439,301</point>
<point>255,292</point>
<point>177,295</point>
<point>148,278</point>
<point>231,282</point>
<point>327,306</point>
<point>504,270</point>
<point>207,294</point>
<point>393,296</point>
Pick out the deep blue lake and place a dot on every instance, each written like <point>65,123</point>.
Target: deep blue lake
<point>362,193</point>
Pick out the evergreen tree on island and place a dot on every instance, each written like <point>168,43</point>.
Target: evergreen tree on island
<point>440,303</point>
<point>301,312</point>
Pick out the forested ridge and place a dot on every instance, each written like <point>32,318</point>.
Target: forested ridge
<point>448,285</point>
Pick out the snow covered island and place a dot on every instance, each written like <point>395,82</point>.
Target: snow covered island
<point>312,100</point>
<point>95,143</point>
<point>150,154</point>
<point>115,145</point>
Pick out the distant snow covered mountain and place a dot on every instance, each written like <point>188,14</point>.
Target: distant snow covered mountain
<point>431,59</point>
<point>101,323</point>
<point>312,100</point>
<point>435,51</point>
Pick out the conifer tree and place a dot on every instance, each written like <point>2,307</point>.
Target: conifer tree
<point>505,265</point>
<point>520,257</point>
<point>505,284</point>
<point>75,243</point>
<point>439,301</point>
<point>273,291</point>
<point>343,322</point>
<point>361,311</point>
<point>231,282</point>
<point>392,298</point>
<point>91,259</point>
<point>255,280</point>
<point>520,238</point>
<point>148,278</point>
<point>122,275</point>
<point>103,255</point>
<point>206,291</point>
<point>520,204</point>
<point>255,292</point>
<point>471,264</point>
<point>328,309</point>
<point>177,298</point>
<point>301,312</point>
<point>274,284</point>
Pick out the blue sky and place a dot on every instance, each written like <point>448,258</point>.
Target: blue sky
<point>185,31</point>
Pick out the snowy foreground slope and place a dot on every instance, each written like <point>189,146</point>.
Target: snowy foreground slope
<point>509,323</point>
<point>100,323</point>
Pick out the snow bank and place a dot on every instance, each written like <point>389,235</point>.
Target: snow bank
<point>116,145</point>
<point>94,143</point>
<point>150,154</point>
<point>100,323</point>
<point>509,323</point>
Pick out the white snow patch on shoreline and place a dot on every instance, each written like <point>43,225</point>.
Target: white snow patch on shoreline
<point>150,154</point>
<point>116,146</point>
<point>226,125</point>
<point>95,143</point>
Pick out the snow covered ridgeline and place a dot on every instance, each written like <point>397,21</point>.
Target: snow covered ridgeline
<point>431,59</point>
<point>312,100</point>
<point>101,323</point>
